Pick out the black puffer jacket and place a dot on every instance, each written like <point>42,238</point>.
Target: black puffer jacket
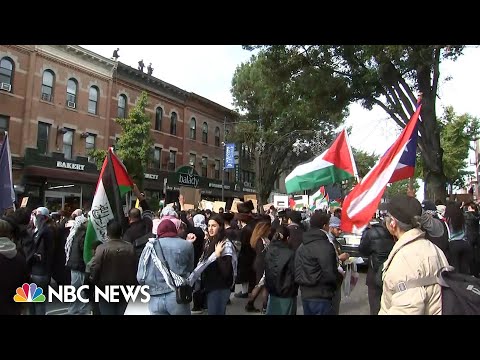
<point>376,243</point>
<point>280,270</point>
<point>472,225</point>
<point>75,261</point>
<point>316,266</point>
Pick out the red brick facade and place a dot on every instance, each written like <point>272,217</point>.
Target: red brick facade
<point>29,103</point>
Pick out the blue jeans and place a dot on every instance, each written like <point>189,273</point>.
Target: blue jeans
<point>217,301</point>
<point>78,307</point>
<point>166,304</point>
<point>42,281</point>
<point>317,307</point>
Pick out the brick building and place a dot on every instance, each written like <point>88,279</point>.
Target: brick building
<point>59,101</point>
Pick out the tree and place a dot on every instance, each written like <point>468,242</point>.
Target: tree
<point>134,146</point>
<point>280,106</point>
<point>456,134</point>
<point>400,188</point>
<point>387,76</point>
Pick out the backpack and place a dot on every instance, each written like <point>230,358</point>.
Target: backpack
<point>460,292</point>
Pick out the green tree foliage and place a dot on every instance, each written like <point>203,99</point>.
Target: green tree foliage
<point>389,76</point>
<point>456,135</point>
<point>134,146</point>
<point>399,188</point>
<point>281,105</point>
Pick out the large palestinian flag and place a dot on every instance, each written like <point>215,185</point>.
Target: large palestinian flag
<point>334,165</point>
<point>113,184</point>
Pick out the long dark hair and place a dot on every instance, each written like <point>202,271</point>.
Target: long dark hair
<point>454,216</point>
<point>221,232</point>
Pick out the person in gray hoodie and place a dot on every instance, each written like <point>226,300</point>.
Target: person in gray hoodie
<point>13,264</point>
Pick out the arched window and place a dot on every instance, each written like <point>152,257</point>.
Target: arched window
<point>6,74</point>
<point>193,129</point>
<point>122,107</point>
<point>205,133</point>
<point>93,100</point>
<point>217,136</point>
<point>48,80</point>
<point>173,123</point>
<point>72,86</point>
<point>158,118</point>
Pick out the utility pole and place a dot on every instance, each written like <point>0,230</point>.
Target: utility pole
<point>223,156</point>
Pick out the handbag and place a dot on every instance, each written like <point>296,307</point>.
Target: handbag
<point>183,292</point>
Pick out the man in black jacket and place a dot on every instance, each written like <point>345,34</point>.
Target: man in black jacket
<point>295,229</point>
<point>316,268</point>
<point>376,243</point>
<point>472,233</point>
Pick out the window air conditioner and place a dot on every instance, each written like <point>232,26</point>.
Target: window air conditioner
<point>71,104</point>
<point>6,87</point>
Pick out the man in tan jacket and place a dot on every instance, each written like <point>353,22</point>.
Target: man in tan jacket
<point>412,259</point>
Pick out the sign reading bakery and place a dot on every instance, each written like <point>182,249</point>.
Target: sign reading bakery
<point>71,166</point>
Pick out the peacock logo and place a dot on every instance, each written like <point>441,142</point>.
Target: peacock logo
<point>29,293</point>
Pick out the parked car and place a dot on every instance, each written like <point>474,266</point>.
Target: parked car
<point>350,244</point>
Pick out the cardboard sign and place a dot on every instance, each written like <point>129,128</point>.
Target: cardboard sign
<point>234,209</point>
<point>219,204</point>
<point>190,195</point>
<point>187,207</point>
<point>249,197</point>
<point>24,202</point>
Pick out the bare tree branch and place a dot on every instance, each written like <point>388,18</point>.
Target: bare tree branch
<point>390,112</point>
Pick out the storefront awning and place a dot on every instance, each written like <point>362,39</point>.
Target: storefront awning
<point>60,174</point>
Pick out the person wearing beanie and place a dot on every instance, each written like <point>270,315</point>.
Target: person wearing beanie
<point>316,268</point>
<point>13,266</point>
<point>412,257</point>
<point>169,248</point>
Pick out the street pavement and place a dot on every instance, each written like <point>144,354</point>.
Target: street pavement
<point>355,304</point>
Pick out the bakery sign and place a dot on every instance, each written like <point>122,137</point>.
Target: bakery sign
<point>71,166</point>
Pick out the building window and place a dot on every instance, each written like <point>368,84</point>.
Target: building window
<point>122,107</point>
<point>93,100</point>
<point>205,133</point>
<point>72,86</point>
<point>173,123</point>
<point>68,144</point>
<point>192,160</point>
<point>89,146</point>
<point>42,137</point>
<point>172,160</point>
<point>204,166</point>
<point>158,118</point>
<point>4,120</point>
<point>157,157</point>
<point>217,136</point>
<point>6,72</point>
<point>217,169</point>
<point>48,80</point>
<point>193,129</point>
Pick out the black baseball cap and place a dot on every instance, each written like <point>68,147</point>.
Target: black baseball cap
<point>403,208</point>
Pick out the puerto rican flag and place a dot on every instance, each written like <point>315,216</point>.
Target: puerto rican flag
<point>362,202</point>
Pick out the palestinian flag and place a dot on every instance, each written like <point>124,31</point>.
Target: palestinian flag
<point>334,165</point>
<point>317,197</point>
<point>113,184</point>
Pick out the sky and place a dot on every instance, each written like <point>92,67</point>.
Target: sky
<point>207,70</point>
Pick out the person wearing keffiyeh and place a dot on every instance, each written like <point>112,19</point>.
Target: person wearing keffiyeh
<point>217,267</point>
<point>153,270</point>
